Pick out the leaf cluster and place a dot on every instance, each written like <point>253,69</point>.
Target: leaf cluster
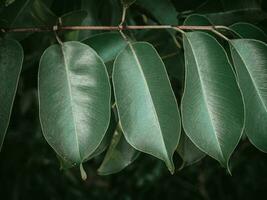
<point>194,93</point>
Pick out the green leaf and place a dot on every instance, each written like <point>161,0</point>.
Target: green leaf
<point>233,16</point>
<point>65,164</point>
<point>120,154</point>
<point>108,46</point>
<point>127,3</point>
<point>147,108</point>
<point>251,66</point>
<point>42,14</point>
<point>248,31</point>
<point>93,8</point>
<point>106,140</point>
<point>13,14</point>
<point>74,18</point>
<point>197,20</point>
<point>8,2</point>
<point>74,98</point>
<point>240,4</point>
<point>169,52</point>
<point>188,151</point>
<point>212,108</point>
<point>11,58</point>
<point>157,7</point>
<point>26,13</point>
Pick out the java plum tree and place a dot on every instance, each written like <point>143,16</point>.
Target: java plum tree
<point>124,78</point>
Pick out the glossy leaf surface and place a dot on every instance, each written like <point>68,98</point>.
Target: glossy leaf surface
<point>212,108</point>
<point>74,95</point>
<point>251,66</point>
<point>11,58</point>
<point>147,108</point>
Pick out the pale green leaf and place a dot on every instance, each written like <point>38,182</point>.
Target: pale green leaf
<point>212,107</point>
<point>11,58</point>
<point>65,164</point>
<point>74,97</point>
<point>251,66</point>
<point>147,107</point>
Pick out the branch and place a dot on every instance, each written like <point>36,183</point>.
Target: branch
<point>107,28</point>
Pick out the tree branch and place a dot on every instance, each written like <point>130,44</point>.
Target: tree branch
<point>108,28</point>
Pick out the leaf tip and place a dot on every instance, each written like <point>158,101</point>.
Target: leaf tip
<point>83,173</point>
<point>226,165</point>
<point>228,169</point>
<point>170,166</point>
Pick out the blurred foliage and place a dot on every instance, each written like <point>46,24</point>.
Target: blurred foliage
<point>30,170</point>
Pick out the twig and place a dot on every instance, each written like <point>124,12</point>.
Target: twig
<point>107,28</point>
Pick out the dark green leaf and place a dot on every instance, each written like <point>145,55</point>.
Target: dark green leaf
<point>93,7</point>
<point>108,46</point>
<point>26,13</point>
<point>127,3</point>
<point>147,108</point>
<point>74,18</point>
<point>233,16</point>
<point>42,14</point>
<point>240,4</point>
<point>249,31</point>
<point>11,58</point>
<point>188,151</point>
<point>197,20</point>
<point>163,11</point>
<point>120,154</point>
<point>251,66</point>
<point>74,95</point>
<point>212,107</point>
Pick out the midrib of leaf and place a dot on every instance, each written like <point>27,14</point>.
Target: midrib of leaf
<point>19,13</point>
<point>71,99</point>
<point>253,82</point>
<point>150,96</point>
<point>205,99</point>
